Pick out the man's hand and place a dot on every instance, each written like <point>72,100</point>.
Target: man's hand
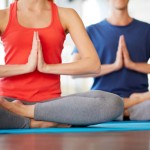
<point>128,63</point>
<point>119,57</point>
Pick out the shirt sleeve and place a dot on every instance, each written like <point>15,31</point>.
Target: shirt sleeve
<point>148,42</point>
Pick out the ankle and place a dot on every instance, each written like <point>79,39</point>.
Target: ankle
<point>30,111</point>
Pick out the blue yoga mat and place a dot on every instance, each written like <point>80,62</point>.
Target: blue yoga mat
<point>114,126</point>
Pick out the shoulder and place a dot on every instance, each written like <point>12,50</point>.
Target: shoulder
<point>144,27</point>
<point>68,17</point>
<point>3,14</point>
<point>142,23</point>
<point>67,12</point>
<point>4,17</point>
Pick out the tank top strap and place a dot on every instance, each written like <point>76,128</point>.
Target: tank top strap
<point>55,16</point>
<point>12,22</point>
<point>13,14</point>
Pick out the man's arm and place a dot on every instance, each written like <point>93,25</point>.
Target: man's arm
<point>139,67</point>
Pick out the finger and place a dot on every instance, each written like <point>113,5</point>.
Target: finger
<point>123,42</point>
<point>34,43</point>
<point>120,46</point>
<point>38,41</point>
<point>124,47</point>
<point>37,35</point>
<point>40,54</point>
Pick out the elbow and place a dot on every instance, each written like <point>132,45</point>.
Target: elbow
<point>96,67</point>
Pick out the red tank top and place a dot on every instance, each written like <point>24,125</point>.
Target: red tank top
<point>17,41</point>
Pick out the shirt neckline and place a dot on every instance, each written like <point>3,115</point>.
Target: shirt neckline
<point>30,28</point>
<point>119,26</point>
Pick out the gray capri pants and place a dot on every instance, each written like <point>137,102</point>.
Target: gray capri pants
<point>85,109</point>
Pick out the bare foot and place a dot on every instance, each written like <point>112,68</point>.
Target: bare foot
<point>141,96</point>
<point>43,124</point>
<point>18,108</point>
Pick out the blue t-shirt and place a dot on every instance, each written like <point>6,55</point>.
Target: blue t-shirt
<point>105,38</point>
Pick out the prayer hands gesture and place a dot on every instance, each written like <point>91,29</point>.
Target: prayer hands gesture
<point>122,56</point>
<point>36,60</point>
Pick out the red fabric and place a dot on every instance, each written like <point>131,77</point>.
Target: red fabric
<point>17,41</point>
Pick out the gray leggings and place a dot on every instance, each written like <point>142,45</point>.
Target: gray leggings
<point>87,108</point>
<point>138,112</point>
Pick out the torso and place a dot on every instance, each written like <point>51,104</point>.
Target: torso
<point>17,36</point>
<point>122,82</point>
<point>31,20</point>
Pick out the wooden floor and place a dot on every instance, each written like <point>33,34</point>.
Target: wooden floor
<point>78,141</point>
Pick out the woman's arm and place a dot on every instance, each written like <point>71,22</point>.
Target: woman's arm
<point>13,70</point>
<point>105,68</point>
<point>89,62</point>
<point>30,66</point>
<point>17,69</point>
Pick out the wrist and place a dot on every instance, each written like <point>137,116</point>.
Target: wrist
<point>115,67</point>
<point>43,68</point>
<point>131,65</point>
<point>28,68</point>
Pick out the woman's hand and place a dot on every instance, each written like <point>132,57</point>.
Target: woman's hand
<point>19,69</point>
<point>41,65</point>
<point>32,60</point>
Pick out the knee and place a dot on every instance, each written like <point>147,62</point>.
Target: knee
<point>114,105</point>
<point>140,111</point>
<point>117,104</point>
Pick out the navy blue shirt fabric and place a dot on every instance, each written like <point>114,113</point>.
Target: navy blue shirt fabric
<point>105,38</point>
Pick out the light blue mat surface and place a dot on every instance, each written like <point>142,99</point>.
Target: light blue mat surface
<point>114,126</point>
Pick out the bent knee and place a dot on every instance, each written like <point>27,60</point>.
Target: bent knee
<point>117,104</point>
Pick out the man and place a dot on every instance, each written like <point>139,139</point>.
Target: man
<point>123,46</point>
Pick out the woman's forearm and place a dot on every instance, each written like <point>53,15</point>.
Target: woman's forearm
<point>85,66</point>
<point>105,69</point>
<point>13,70</point>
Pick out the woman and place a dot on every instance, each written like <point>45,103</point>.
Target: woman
<point>33,67</point>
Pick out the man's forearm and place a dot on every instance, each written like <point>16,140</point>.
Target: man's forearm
<point>140,67</point>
